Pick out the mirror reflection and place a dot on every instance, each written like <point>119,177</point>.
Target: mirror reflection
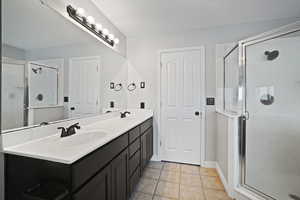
<point>52,70</point>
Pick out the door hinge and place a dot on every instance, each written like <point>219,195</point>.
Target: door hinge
<point>97,68</point>
<point>160,143</point>
<point>160,65</point>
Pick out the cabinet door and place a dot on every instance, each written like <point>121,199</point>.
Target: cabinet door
<point>143,151</point>
<point>119,168</point>
<point>149,138</point>
<point>98,188</point>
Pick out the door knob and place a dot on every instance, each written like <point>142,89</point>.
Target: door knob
<point>197,113</point>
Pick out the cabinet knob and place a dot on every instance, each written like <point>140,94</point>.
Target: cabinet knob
<point>197,113</point>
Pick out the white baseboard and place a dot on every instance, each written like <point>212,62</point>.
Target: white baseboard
<point>209,164</point>
<point>223,179</point>
<point>242,194</point>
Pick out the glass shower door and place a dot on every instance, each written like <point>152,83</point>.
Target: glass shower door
<point>271,164</point>
<point>13,96</point>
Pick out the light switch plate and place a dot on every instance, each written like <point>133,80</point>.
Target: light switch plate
<point>112,85</point>
<point>210,101</point>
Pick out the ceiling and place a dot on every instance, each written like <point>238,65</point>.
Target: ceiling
<point>33,25</point>
<point>142,17</point>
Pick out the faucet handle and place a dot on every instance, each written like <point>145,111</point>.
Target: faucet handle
<point>63,131</point>
<point>61,128</point>
<point>123,114</point>
<point>76,125</point>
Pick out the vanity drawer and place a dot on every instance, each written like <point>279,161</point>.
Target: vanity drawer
<point>133,181</point>
<point>134,133</point>
<point>147,124</point>
<point>134,161</point>
<point>134,147</point>
<point>87,167</point>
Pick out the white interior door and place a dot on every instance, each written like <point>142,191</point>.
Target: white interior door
<point>181,110</point>
<point>84,86</point>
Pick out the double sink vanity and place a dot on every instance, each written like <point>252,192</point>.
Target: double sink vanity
<point>104,160</point>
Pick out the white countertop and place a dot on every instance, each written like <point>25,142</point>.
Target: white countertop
<point>89,138</point>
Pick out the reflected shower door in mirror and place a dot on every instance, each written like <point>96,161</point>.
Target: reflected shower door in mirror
<point>52,70</point>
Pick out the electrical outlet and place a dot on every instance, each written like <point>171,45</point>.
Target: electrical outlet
<point>143,84</point>
<point>112,104</point>
<point>112,85</point>
<point>66,99</point>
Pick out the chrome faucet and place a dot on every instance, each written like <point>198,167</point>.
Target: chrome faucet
<point>69,131</point>
<point>123,115</point>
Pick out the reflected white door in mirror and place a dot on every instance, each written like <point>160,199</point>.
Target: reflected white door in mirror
<point>84,86</point>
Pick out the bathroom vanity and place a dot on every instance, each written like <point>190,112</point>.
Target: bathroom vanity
<point>104,161</point>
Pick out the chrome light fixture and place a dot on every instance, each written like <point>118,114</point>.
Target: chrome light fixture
<point>89,23</point>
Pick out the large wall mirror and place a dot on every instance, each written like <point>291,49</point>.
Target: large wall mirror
<point>52,70</point>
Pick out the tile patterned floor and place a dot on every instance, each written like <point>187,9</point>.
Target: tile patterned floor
<point>173,181</point>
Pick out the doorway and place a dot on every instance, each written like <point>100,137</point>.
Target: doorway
<point>182,105</point>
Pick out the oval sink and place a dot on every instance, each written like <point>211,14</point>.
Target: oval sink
<point>82,138</point>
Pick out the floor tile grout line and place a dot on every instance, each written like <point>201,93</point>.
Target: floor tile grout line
<point>153,195</point>
<point>179,193</point>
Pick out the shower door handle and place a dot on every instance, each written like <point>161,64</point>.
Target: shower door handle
<point>247,115</point>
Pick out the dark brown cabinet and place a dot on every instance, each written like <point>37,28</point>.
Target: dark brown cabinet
<point>110,183</point>
<point>146,147</point>
<point>111,172</point>
<point>119,168</point>
<point>100,187</point>
<point>149,142</point>
<point>143,151</point>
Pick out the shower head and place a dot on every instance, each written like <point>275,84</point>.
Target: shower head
<point>272,55</point>
<point>37,70</point>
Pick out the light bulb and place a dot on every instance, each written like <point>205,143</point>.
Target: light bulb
<point>80,12</point>
<point>90,20</point>
<point>98,27</point>
<point>111,36</point>
<point>105,32</point>
<point>116,40</point>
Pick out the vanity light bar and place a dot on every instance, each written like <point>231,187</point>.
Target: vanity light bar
<point>89,23</point>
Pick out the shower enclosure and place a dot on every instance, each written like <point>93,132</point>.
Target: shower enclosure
<point>266,92</point>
